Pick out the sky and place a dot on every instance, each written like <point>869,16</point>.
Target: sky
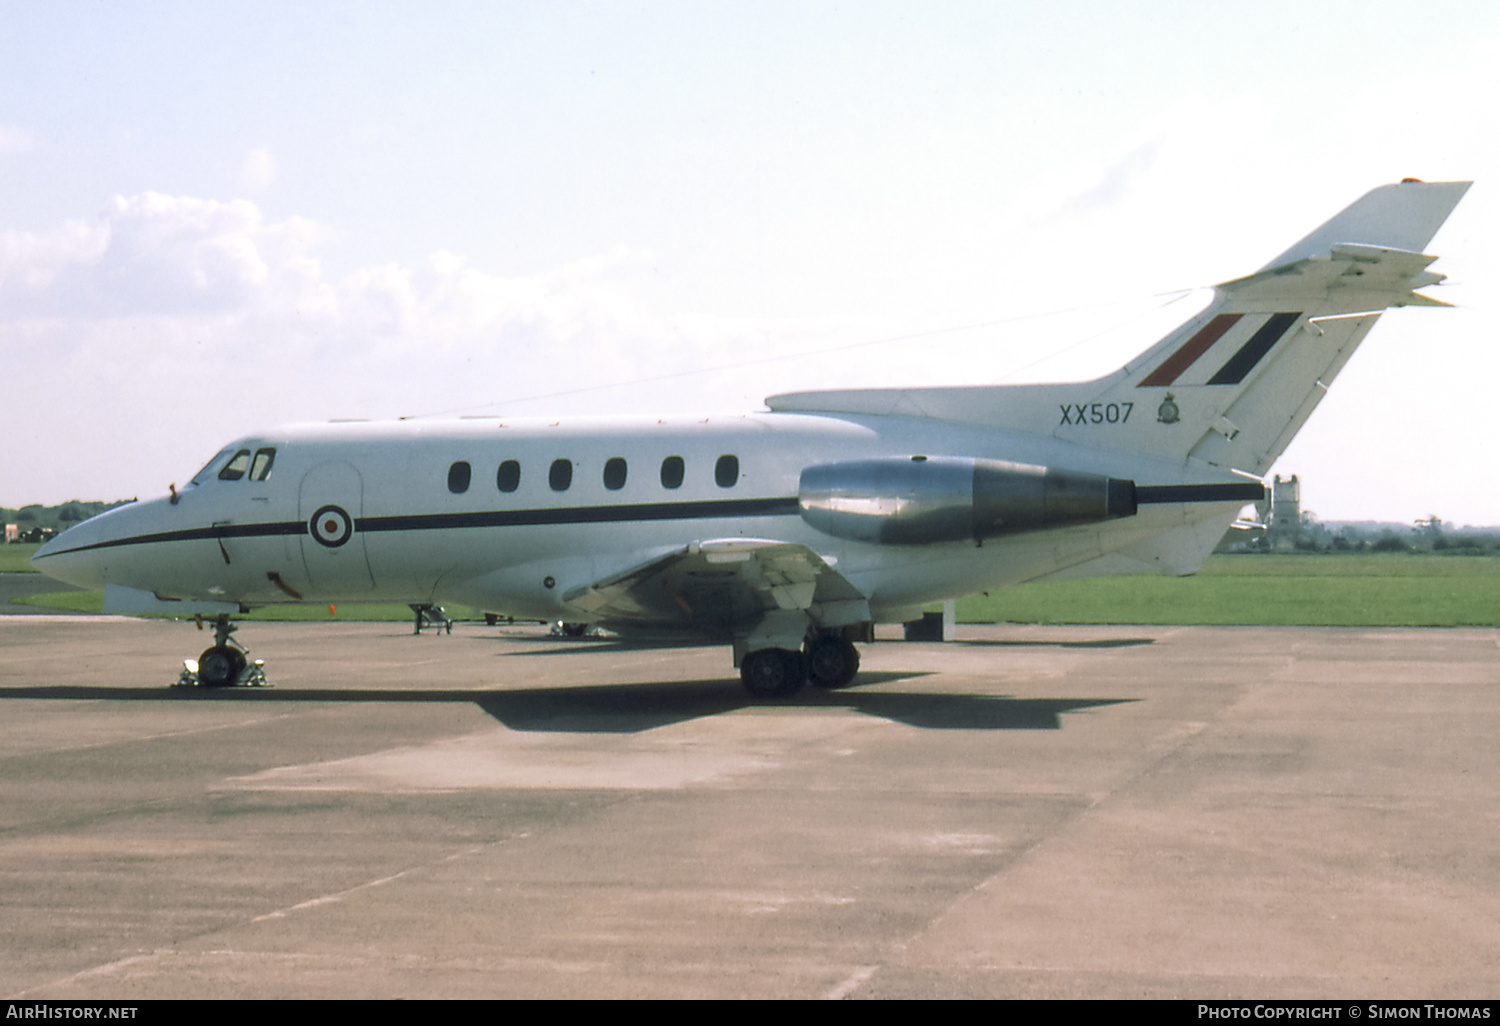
<point>217,217</point>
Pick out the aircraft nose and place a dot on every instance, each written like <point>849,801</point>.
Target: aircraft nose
<point>80,555</point>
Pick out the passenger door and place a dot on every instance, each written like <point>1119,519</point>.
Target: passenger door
<point>331,503</point>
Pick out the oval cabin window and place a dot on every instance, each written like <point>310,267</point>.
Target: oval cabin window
<point>561,475</point>
<point>508,477</point>
<point>614,474</point>
<point>458,478</point>
<point>727,471</point>
<point>671,472</point>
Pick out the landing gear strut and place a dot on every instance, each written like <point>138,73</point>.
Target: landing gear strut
<point>224,665</point>
<point>429,615</point>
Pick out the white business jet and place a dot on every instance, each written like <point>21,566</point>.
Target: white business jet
<point>787,534</point>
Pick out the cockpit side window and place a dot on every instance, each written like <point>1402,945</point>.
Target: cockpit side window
<point>260,467</point>
<point>236,467</point>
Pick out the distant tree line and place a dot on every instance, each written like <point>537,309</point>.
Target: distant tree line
<point>1428,535</point>
<point>56,518</point>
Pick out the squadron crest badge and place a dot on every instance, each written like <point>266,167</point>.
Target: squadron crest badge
<point>1167,412</point>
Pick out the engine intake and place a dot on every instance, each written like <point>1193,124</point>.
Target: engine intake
<point>925,499</point>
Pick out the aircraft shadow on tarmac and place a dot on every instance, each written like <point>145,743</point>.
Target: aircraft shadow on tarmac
<point>572,646</point>
<point>632,708</point>
<point>1101,643</point>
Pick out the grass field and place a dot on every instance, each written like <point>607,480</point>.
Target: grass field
<point>1339,591</point>
<point>93,602</point>
<point>16,559</point>
<point>1342,591</point>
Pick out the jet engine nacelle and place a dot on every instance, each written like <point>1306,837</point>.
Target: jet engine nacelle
<point>924,499</point>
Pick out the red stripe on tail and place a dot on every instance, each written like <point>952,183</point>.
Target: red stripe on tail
<point>1190,350</point>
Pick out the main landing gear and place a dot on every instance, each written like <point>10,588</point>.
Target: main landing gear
<point>226,664</point>
<point>830,661</point>
<point>429,615</point>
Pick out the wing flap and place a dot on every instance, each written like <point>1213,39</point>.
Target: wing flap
<point>724,586</point>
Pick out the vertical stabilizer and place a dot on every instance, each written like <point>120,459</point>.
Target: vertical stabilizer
<point>1402,216</point>
<point>1232,386</point>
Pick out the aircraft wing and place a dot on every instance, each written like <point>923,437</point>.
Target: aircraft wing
<point>724,585</point>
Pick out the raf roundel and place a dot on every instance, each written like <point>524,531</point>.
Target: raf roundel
<point>331,526</point>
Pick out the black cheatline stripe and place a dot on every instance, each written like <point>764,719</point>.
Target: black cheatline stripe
<point>1248,491</point>
<point>707,510</point>
<point>196,534</point>
<point>1251,353</point>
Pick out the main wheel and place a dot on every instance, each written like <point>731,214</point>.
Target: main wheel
<point>773,672</point>
<point>220,667</point>
<point>832,662</point>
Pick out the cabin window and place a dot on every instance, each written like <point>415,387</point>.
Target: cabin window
<point>236,467</point>
<point>614,474</point>
<point>561,475</point>
<point>508,477</point>
<point>458,477</point>
<point>260,467</point>
<point>727,471</point>
<point>671,472</point>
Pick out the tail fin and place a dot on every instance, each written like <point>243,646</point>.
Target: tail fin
<point>1232,386</point>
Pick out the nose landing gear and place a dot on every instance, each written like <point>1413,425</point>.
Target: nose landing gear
<point>226,664</point>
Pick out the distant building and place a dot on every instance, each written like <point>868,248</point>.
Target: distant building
<point>12,534</point>
<point>1284,526</point>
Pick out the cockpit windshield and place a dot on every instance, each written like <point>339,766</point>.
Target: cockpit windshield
<point>236,467</point>
<point>202,475</point>
<point>235,463</point>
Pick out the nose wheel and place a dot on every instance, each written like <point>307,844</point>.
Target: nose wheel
<point>220,666</point>
<point>226,664</point>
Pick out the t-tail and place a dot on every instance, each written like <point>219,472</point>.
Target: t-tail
<point>1232,386</point>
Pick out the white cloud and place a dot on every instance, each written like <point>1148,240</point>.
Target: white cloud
<point>170,323</point>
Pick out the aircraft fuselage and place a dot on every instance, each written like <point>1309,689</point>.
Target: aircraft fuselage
<point>513,516</point>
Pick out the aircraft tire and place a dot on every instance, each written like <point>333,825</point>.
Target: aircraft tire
<point>220,667</point>
<point>832,662</point>
<point>773,672</point>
